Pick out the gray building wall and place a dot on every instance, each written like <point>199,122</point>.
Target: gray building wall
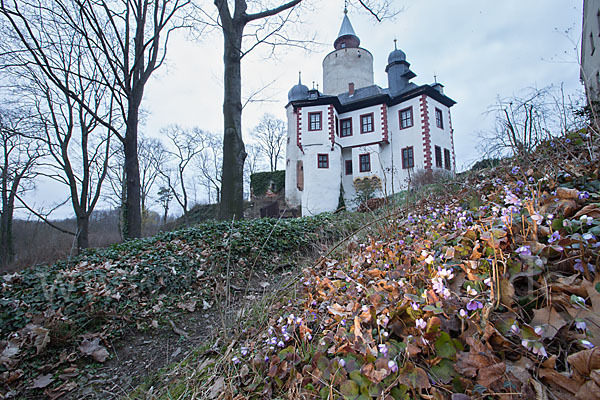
<point>590,49</point>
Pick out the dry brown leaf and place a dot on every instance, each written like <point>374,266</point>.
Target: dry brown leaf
<point>374,375</point>
<point>553,377</point>
<point>507,292</point>
<point>588,391</point>
<point>42,381</point>
<point>188,305</point>
<point>566,193</point>
<point>585,361</point>
<point>94,349</point>
<point>591,210</point>
<point>487,376</point>
<point>217,388</point>
<point>549,319</point>
<point>10,376</point>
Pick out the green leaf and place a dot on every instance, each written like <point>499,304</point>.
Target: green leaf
<point>444,347</point>
<point>444,371</point>
<point>349,389</point>
<point>357,377</point>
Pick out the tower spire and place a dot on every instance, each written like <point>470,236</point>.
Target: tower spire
<point>346,36</point>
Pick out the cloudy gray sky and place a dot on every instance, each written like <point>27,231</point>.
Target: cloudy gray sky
<point>480,50</point>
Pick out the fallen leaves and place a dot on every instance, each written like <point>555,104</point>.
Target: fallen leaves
<point>94,349</point>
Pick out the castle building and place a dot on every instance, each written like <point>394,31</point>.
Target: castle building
<point>356,130</point>
<point>590,56</point>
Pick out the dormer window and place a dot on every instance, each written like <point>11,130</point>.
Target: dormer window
<point>343,45</point>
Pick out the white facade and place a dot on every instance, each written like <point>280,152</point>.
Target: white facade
<point>335,138</point>
<point>347,66</point>
<point>590,49</point>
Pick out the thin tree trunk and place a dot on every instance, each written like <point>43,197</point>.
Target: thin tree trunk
<point>234,154</point>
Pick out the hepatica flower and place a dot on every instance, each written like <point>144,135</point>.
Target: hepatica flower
<point>462,313</point>
<point>537,218</point>
<point>471,291</point>
<point>393,366</point>
<point>512,199</point>
<point>524,250</point>
<point>474,305</point>
<point>583,195</point>
<point>515,170</point>
<point>342,363</point>
<point>587,344</point>
<point>580,324</point>
<point>383,349</point>
<point>420,323</point>
<point>554,237</point>
<point>514,328</point>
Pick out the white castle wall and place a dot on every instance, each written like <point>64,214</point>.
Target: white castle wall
<point>344,66</point>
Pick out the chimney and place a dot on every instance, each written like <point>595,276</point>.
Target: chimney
<point>351,88</point>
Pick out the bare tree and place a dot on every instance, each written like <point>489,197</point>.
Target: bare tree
<point>526,120</point>
<point>270,136</point>
<point>265,23</point>
<point>151,155</point>
<point>19,154</point>
<point>209,163</point>
<point>187,144</point>
<point>164,199</point>
<point>126,41</point>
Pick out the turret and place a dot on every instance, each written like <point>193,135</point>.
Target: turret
<point>398,71</point>
<point>348,63</point>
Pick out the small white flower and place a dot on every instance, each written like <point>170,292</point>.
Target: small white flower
<point>580,324</point>
<point>471,291</point>
<point>342,362</point>
<point>539,330</point>
<point>587,344</point>
<point>462,313</point>
<point>420,323</point>
<point>514,328</point>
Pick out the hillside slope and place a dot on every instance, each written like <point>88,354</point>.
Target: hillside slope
<point>488,291</point>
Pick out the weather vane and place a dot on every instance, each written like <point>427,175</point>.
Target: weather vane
<point>395,44</point>
<point>345,6</point>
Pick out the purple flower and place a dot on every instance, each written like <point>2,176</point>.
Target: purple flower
<point>392,366</point>
<point>515,170</point>
<point>462,313</point>
<point>555,237</point>
<point>244,351</point>
<point>520,183</point>
<point>531,180</point>
<point>383,349</point>
<point>583,195</point>
<point>580,324</point>
<point>474,305</point>
<point>420,323</point>
<point>514,328</point>
<point>235,360</point>
<point>342,363</point>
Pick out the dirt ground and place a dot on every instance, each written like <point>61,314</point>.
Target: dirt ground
<point>139,355</point>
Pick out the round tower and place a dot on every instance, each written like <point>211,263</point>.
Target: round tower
<point>348,63</point>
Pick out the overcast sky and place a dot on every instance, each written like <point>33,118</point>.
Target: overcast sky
<point>480,50</point>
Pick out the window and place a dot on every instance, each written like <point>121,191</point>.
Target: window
<point>323,160</point>
<point>346,127</point>
<point>438,156</point>
<point>592,45</point>
<point>366,123</point>
<point>348,167</point>
<point>408,158</point>
<point>447,162</point>
<point>365,162</point>
<point>439,119</point>
<point>406,118</point>
<point>314,121</point>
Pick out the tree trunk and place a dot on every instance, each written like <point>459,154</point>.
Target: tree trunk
<point>133,215</point>
<point>7,251</point>
<point>83,223</point>
<point>234,154</point>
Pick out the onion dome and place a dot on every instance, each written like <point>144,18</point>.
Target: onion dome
<point>346,37</point>
<point>396,55</point>
<point>299,91</point>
